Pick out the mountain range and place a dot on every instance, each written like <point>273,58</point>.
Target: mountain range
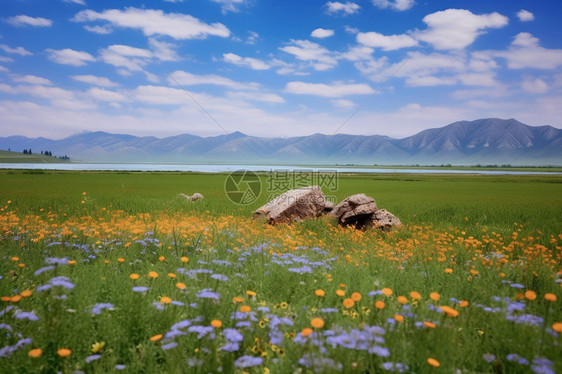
<point>484,141</point>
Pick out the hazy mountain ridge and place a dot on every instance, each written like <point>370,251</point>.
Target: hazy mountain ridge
<point>484,141</point>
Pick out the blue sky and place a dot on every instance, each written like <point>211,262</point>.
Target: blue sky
<point>275,68</point>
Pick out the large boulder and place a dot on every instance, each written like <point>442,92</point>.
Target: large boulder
<point>294,205</point>
<point>361,212</point>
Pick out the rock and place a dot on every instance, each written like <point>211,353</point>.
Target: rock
<point>196,196</point>
<point>328,206</point>
<point>385,220</point>
<point>355,210</point>
<point>294,205</point>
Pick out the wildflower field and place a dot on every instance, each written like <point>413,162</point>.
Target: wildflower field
<point>113,272</point>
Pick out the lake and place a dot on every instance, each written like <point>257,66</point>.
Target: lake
<point>230,168</point>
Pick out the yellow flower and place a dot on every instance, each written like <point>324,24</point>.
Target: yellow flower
<point>317,323</point>
<point>434,296</point>
<point>348,303</point>
<point>153,274</point>
<point>356,296</point>
<point>320,293</point>
<point>134,276</point>
<point>550,297</point>
<point>415,295</point>
<point>386,291</point>
<point>216,323</point>
<point>35,353</point>
<point>531,295</point>
<point>64,352</point>
<point>379,304</point>
<point>283,305</point>
<point>155,338</point>
<point>433,362</point>
<point>402,299</point>
<point>97,346</point>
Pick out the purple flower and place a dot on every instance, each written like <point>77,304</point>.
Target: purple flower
<point>101,306</point>
<point>248,361</point>
<point>92,358</point>
<point>489,357</point>
<point>514,357</point>
<point>230,347</point>
<point>397,367</point>
<point>207,293</point>
<point>56,261</point>
<point>26,315</point>
<point>61,281</point>
<point>140,289</point>
<point>169,346</point>
<point>220,277</point>
<point>232,335</point>
<point>5,326</point>
<point>202,331</point>
<point>120,367</point>
<point>44,269</point>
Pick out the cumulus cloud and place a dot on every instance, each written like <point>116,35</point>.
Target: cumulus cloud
<point>256,96</point>
<point>32,79</point>
<point>325,90</point>
<point>23,20</point>
<point>525,15</point>
<point>457,28</point>
<point>396,4</point>
<point>79,2</point>
<point>101,94</point>
<point>304,50</point>
<point>94,80</point>
<point>18,50</point>
<point>69,56</point>
<point>187,79</point>
<point>156,22</point>
<point>252,63</point>
<point>335,7</point>
<point>534,86</point>
<point>229,5</point>
<point>322,33</point>
<point>97,29</point>
<point>163,51</point>
<point>386,42</point>
<point>130,58</point>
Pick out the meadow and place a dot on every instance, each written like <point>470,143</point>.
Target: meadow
<point>114,272</point>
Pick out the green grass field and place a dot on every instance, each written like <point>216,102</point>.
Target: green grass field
<point>110,272</point>
<point>20,158</point>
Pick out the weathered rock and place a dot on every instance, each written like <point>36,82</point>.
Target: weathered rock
<point>355,210</point>
<point>328,206</point>
<point>384,220</point>
<point>294,205</point>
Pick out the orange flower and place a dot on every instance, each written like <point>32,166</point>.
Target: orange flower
<point>342,285</point>
<point>448,271</point>
<point>306,331</point>
<point>550,297</point>
<point>557,326</point>
<point>433,362</point>
<point>463,304</point>
<point>245,308</point>
<point>120,260</point>
<point>153,274</point>
<point>348,303</point>
<point>434,296</point>
<point>21,266</point>
<point>237,299</point>
<point>165,300</point>
<point>134,276</point>
<point>250,293</point>
<point>181,285</point>
<point>449,311</point>
<point>386,291</point>
<point>402,299</point>
<point>15,259</point>
<point>340,293</point>
<point>379,304</point>
<point>64,352</point>
<point>6,298</point>
<point>15,298</point>
<point>155,338</point>
<point>171,275</point>
<point>26,293</point>
<point>161,258</point>
<point>317,323</point>
<point>35,353</point>
<point>428,324</point>
<point>72,262</point>
<point>415,295</point>
<point>216,323</point>
<point>320,293</point>
<point>356,296</point>
<point>398,318</point>
<point>184,259</point>
<point>531,295</point>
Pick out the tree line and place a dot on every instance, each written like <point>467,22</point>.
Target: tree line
<point>45,153</point>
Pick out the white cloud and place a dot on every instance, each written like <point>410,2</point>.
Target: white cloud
<point>187,79</point>
<point>457,28</point>
<point>79,2</point>
<point>322,33</point>
<point>525,15</point>
<point>396,4</point>
<point>534,86</point>
<point>386,42</point>
<point>525,52</point>
<point>94,80</point>
<point>131,58</point>
<point>18,50</point>
<point>156,22</point>
<point>32,79</point>
<point>252,63</point>
<point>159,95</point>
<point>304,50</point>
<point>349,7</point>
<point>70,57</point>
<point>358,53</point>
<point>252,37</point>
<point>4,69</point>
<point>163,51</point>
<point>102,30</point>
<point>101,94</point>
<point>58,97</point>
<point>6,59</point>
<point>229,5</point>
<point>343,104</point>
<point>478,79</point>
<point>325,90</point>
<point>255,96</point>
<point>23,20</point>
